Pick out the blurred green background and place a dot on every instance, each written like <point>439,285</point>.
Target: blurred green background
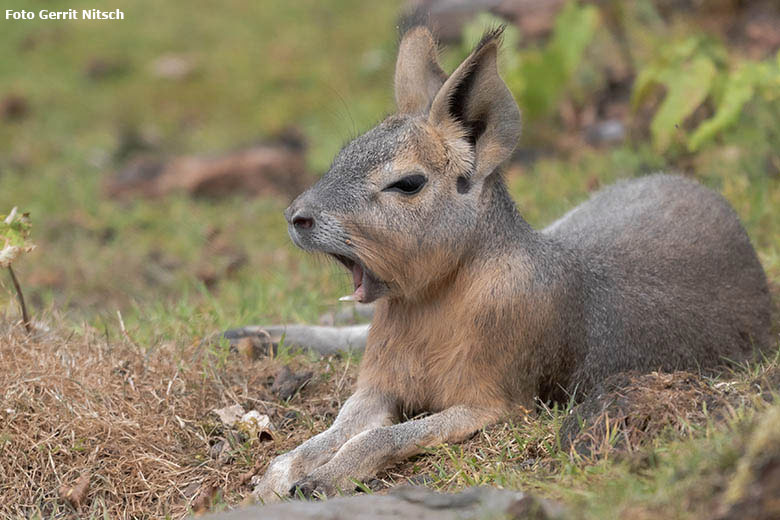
<point>608,89</point>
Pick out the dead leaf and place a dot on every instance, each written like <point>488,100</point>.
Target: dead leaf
<point>272,167</point>
<point>253,348</point>
<point>14,107</point>
<point>256,426</point>
<point>229,415</point>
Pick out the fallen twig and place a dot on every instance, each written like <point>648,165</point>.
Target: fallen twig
<point>20,297</point>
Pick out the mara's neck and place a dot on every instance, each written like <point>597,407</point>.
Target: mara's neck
<point>500,227</point>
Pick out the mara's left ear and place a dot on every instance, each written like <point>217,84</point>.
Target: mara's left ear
<point>418,76</point>
<point>476,101</point>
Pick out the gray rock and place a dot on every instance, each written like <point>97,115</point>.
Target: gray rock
<point>610,131</point>
<point>409,503</point>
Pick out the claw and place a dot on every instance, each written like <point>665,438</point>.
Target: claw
<point>309,489</point>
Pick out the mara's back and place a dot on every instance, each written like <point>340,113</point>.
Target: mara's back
<point>669,279</point>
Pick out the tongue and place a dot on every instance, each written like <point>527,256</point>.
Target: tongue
<point>357,276</point>
<point>357,280</point>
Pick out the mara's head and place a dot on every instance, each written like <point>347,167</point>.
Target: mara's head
<point>401,204</point>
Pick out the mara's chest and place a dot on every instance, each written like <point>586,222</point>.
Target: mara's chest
<point>433,367</point>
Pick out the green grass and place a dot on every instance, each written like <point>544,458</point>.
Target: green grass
<point>325,67</point>
<point>257,70</point>
<point>259,67</point>
<point>673,476</point>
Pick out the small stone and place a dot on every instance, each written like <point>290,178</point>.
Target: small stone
<point>216,449</point>
<point>610,131</point>
<point>287,382</point>
<point>527,508</point>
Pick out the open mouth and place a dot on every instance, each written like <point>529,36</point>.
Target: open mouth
<point>360,279</point>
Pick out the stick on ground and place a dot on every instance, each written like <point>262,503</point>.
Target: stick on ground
<point>20,297</point>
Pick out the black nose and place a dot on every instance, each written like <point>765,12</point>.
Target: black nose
<point>302,220</point>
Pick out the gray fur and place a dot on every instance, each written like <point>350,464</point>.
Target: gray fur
<point>617,256</point>
<point>670,275</point>
<point>657,274</point>
<point>363,411</point>
<point>342,189</point>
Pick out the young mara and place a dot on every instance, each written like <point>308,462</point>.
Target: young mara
<point>477,314</point>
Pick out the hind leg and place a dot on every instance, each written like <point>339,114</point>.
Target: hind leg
<point>326,341</point>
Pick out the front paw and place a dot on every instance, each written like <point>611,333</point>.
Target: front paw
<point>276,482</point>
<point>311,488</point>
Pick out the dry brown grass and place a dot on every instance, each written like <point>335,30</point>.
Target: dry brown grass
<point>137,426</point>
<point>91,426</point>
<point>631,410</point>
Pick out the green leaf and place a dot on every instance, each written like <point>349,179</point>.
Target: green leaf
<point>647,78</point>
<point>14,237</point>
<point>739,90</point>
<point>686,88</point>
<point>574,30</point>
<point>671,57</point>
<point>545,75</point>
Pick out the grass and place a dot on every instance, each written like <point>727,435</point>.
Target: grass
<point>137,424</point>
<point>325,68</point>
<point>141,257</point>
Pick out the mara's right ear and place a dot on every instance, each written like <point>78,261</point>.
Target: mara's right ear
<point>477,103</point>
<point>418,76</point>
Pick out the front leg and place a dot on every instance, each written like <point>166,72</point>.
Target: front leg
<point>363,411</point>
<point>367,453</point>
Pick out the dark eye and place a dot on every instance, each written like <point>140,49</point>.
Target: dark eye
<point>409,185</point>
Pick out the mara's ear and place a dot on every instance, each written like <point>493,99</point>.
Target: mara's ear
<point>476,101</point>
<point>418,76</point>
